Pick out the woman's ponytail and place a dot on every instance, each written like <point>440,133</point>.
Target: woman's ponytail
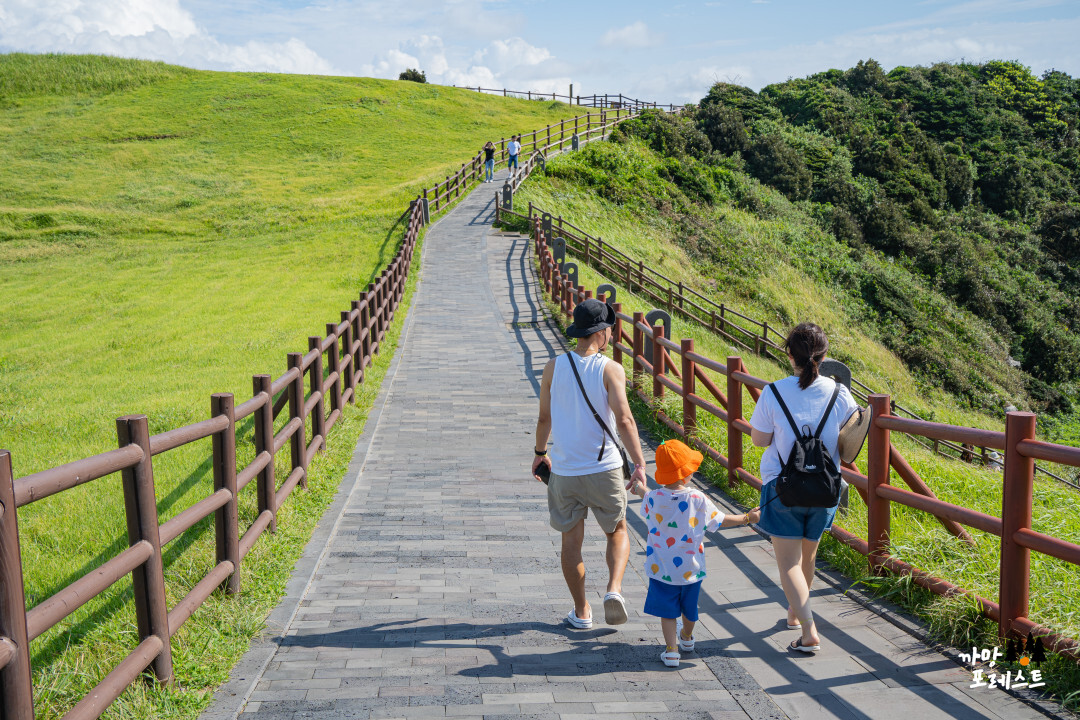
<point>807,344</point>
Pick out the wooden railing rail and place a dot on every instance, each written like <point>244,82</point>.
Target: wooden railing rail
<point>1018,539</point>
<point>752,335</point>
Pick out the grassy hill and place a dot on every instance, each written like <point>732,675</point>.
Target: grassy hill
<point>166,233</point>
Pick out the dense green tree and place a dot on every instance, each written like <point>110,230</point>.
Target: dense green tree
<point>773,161</point>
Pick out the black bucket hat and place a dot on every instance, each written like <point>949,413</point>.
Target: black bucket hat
<point>590,317</point>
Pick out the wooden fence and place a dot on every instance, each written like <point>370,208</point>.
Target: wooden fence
<point>534,145</point>
<point>686,374</point>
<point>612,102</point>
<point>741,330</point>
<point>304,393</point>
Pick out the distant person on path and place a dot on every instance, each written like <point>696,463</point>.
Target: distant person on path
<point>489,162</point>
<point>513,149</point>
<point>677,516</point>
<point>796,531</point>
<point>585,465</point>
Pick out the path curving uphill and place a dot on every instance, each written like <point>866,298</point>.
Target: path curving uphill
<point>432,587</point>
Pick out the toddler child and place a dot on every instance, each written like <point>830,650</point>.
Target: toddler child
<point>678,516</point>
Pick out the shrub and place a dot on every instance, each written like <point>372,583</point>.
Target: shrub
<point>725,128</point>
<point>413,75</point>
<point>776,163</point>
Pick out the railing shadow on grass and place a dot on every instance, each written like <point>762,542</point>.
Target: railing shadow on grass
<point>45,653</point>
<point>204,470</point>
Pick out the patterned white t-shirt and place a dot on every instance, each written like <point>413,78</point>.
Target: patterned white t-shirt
<point>677,521</point>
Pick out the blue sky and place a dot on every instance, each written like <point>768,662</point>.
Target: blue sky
<point>663,52</point>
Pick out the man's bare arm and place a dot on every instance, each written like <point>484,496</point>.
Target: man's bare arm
<point>615,384</point>
<point>543,420</point>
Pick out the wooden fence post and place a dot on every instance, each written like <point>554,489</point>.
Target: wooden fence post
<point>16,687</point>
<point>373,315</point>
<point>616,353</point>
<point>877,474</point>
<point>318,413</point>
<point>1015,575</point>
<point>333,359</point>
<point>148,579</point>
<point>659,364</point>
<point>227,517</point>
<point>298,441</point>
<point>689,387</point>
<point>365,334</point>
<point>349,380</point>
<point>734,412</point>
<point>264,442</point>
<point>639,350</point>
<point>381,295</point>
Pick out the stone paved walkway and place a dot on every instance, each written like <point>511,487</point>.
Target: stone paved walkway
<point>432,586</point>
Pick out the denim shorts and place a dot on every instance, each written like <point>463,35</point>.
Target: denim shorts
<point>795,522</point>
<point>670,601</point>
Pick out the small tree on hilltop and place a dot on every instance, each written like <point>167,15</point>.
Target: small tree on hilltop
<point>413,75</point>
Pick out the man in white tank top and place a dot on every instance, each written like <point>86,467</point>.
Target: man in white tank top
<point>585,463</point>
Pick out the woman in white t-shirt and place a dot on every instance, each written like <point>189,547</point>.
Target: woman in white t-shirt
<point>796,531</point>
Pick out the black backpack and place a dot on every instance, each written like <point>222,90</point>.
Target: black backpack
<point>809,478</point>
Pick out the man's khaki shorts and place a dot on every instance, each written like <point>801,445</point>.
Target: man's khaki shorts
<point>571,497</point>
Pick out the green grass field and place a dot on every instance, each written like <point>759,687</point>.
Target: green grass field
<point>165,234</point>
<point>917,537</point>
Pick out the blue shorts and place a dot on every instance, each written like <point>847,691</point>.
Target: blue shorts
<point>795,522</point>
<point>670,601</point>
<point>512,163</point>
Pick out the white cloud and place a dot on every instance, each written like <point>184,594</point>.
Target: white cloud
<point>502,63</point>
<point>147,29</point>
<point>513,53</point>
<point>632,36</point>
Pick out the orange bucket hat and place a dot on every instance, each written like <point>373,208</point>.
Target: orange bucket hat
<point>675,461</point>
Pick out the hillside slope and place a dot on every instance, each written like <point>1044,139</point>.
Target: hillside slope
<point>940,203</point>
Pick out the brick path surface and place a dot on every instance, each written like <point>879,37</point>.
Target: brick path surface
<point>432,586</point>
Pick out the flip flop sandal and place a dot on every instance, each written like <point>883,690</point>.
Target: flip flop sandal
<point>575,621</point>
<point>797,645</point>
<point>670,658</point>
<point>614,609</point>
<point>796,626</point>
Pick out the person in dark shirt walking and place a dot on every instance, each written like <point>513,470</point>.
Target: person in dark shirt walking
<point>489,162</point>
